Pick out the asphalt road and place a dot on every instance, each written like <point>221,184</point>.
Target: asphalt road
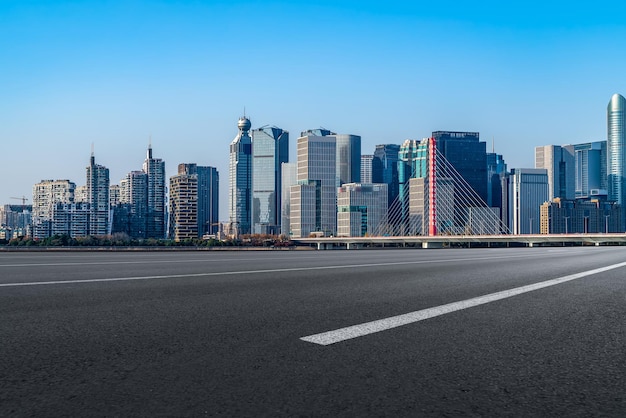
<point>221,333</point>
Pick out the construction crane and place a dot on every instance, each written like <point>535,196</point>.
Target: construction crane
<point>23,199</point>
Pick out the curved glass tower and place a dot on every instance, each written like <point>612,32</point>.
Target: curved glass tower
<point>616,149</point>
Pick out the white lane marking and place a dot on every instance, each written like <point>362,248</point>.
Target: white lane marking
<point>355,331</point>
<point>284,270</point>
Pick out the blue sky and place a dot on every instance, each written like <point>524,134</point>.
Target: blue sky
<point>115,73</point>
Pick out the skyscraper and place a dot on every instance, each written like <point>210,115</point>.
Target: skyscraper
<point>348,158</point>
<point>270,148</point>
<point>46,194</point>
<point>616,147</point>
<point>98,197</point>
<point>468,155</point>
<point>208,200</point>
<point>156,206</point>
<point>240,179</point>
<point>591,174</point>
<point>559,161</point>
<point>528,188</point>
<point>289,177</point>
<point>207,194</point>
<point>411,164</point>
<point>134,198</point>
<point>313,199</point>
<point>496,170</point>
<point>385,168</point>
<point>366,168</point>
<point>183,205</point>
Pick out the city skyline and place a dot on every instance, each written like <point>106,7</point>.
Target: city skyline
<point>116,75</point>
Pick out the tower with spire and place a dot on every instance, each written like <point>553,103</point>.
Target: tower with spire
<point>98,197</point>
<point>156,207</point>
<point>240,179</point>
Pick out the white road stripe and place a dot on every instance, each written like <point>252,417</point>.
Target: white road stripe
<point>242,272</point>
<point>347,333</point>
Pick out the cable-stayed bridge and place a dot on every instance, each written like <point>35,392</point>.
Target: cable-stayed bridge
<point>437,207</point>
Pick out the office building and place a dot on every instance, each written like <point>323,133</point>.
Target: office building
<point>361,209</point>
<point>591,170</point>
<point>98,197</point>
<point>496,170</point>
<point>412,163</point>
<point>528,190</point>
<point>289,177</point>
<point>579,216</point>
<point>385,169</point>
<point>366,168</point>
<point>348,155</point>
<point>240,179</point>
<point>559,162</point>
<point>156,215</point>
<point>468,155</point>
<point>270,149</point>
<point>313,199</point>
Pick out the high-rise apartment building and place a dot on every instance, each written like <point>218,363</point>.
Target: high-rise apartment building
<point>134,199</point>
<point>361,209</point>
<point>559,162</point>
<point>240,179</point>
<point>155,199</point>
<point>207,196</point>
<point>366,168</point>
<point>98,197</point>
<point>616,150</point>
<point>46,194</point>
<point>528,190</point>
<point>385,169</point>
<point>591,172</point>
<point>16,220</point>
<point>270,149</point>
<point>183,206</point>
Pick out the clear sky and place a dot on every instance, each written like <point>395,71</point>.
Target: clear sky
<point>115,73</point>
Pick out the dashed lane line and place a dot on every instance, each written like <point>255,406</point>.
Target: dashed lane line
<point>355,331</point>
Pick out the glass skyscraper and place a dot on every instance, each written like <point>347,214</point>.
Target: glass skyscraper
<point>385,169</point>
<point>616,150</point>
<point>348,159</point>
<point>591,176</point>
<point>560,163</point>
<point>467,155</point>
<point>156,205</point>
<point>270,148</point>
<point>240,179</point>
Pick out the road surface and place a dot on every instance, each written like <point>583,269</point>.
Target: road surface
<point>402,332</point>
